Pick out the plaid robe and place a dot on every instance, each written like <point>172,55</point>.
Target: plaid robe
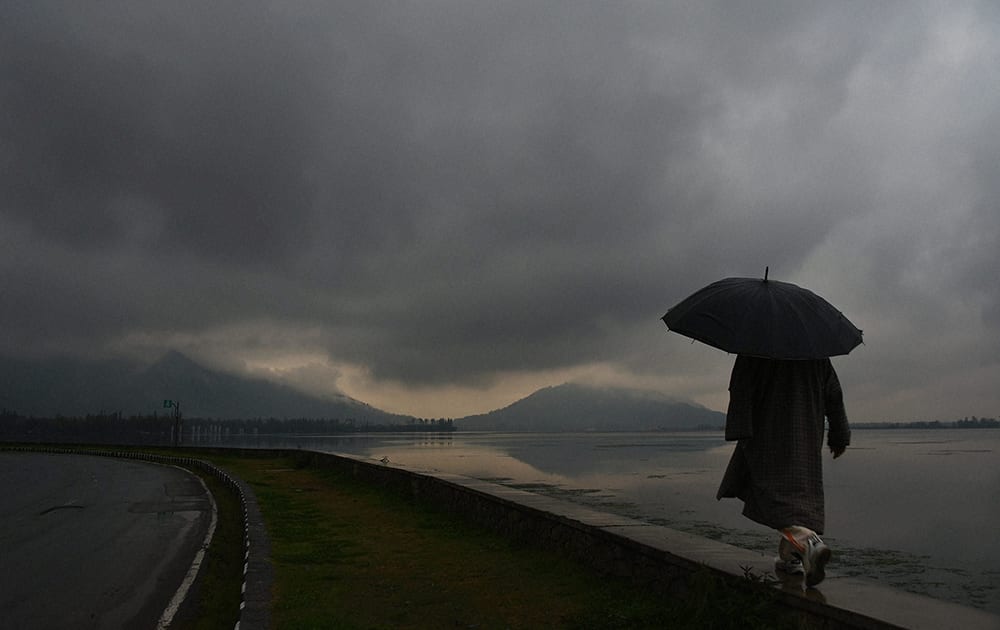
<point>776,411</point>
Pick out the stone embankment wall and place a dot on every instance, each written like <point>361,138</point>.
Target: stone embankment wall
<point>655,557</point>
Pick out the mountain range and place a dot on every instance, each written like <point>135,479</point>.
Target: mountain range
<point>75,388</point>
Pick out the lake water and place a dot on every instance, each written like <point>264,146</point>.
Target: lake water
<point>916,509</point>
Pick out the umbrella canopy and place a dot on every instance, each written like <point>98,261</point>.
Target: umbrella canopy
<point>764,318</point>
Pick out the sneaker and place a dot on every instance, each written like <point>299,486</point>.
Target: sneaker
<point>792,566</point>
<point>814,560</point>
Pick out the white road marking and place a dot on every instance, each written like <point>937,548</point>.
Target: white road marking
<point>182,590</point>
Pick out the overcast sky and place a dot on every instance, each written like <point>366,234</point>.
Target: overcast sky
<point>439,207</point>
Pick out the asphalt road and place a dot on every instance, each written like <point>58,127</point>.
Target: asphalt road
<point>94,542</point>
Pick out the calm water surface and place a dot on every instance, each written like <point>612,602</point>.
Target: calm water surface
<point>914,509</point>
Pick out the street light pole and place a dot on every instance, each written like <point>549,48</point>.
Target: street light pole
<point>178,421</point>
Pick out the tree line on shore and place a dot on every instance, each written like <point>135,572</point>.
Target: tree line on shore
<point>116,427</point>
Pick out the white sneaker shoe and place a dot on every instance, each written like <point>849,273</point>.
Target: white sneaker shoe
<point>814,560</point>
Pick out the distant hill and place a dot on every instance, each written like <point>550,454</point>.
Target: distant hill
<point>75,388</point>
<point>572,407</point>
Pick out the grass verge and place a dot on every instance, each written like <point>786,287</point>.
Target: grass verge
<point>214,600</point>
<point>351,555</point>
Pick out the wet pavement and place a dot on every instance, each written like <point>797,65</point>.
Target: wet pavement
<point>94,542</point>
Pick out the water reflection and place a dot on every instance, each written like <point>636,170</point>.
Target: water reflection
<point>911,508</point>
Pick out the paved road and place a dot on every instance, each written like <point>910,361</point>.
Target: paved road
<point>94,542</point>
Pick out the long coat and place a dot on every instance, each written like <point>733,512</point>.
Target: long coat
<point>776,412</point>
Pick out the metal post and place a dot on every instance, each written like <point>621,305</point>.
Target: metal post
<point>178,424</point>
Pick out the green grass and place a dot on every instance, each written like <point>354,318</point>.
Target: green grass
<point>215,598</point>
<point>351,555</point>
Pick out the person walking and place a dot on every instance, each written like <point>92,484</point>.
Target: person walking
<point>782,388</point>
<point>776,416</point>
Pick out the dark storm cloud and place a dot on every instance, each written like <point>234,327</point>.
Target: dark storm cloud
<point>398,153</point>
<point>442,192</point>
<point>113,110</point>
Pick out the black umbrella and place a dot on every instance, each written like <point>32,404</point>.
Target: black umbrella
<point>764,318</point>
